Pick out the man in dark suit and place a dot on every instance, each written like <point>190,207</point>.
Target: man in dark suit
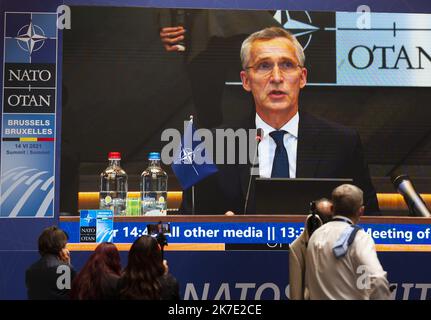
<point>294,144</point>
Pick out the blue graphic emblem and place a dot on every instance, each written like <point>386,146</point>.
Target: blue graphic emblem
<point>26,192</point>
<point>30,38</point>
<point>187,156</point>
<point>88,218</point>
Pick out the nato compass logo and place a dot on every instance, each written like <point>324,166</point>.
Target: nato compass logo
<point>187,156</point>
<point>90,221</point>
<point>316,33</point>
<point>87,226</point>
<point>299,28</point>
<point>30,37</point>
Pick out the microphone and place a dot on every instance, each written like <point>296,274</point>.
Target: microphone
<point>416,204</point>
<point>258,139</point>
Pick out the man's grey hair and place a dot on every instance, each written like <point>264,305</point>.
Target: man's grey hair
<point>347,199</point>
<point>269,34</point>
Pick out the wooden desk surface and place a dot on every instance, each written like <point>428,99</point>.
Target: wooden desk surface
<point>250,218</point>
<point>388,202</point>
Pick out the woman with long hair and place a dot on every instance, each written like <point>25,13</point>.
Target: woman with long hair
<point>146,276</point>
<point>99,278</point>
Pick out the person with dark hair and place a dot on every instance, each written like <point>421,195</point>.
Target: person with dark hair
<point>320,213</point>
<point>146,276</point>
<point>342,262</point>
<point>98,279</point>
<point>50,277</point>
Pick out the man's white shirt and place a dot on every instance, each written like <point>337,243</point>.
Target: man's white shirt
<point>267,146</point>
<point>356,276</point>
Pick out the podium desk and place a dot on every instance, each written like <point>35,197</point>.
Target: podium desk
<point>238,262</point>
<point>389,203</point>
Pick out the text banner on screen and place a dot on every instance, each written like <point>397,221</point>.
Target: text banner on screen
<point>254,233</point>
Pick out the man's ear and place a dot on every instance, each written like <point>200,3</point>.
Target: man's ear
<point>303,80</point>
<point>361,211</point>
<point>245,80</point>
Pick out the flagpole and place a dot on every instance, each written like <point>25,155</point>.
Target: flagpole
<point>193,186</point>
<point>193,200</point>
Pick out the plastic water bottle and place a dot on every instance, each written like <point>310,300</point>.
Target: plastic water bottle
<point>154,187</point>
<point>113,186</point>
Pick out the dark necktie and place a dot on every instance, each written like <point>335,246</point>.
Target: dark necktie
<point>280,166</point>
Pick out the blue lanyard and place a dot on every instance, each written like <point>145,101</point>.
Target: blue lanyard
<point>355,227</point>
<point>342,220</point>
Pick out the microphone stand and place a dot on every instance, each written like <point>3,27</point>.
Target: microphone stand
<point>193,200</point>
<point>259,136</point>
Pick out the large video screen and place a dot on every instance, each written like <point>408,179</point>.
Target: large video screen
<point>120,89</point>
<point>368,71</point>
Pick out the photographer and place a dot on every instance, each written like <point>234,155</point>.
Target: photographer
<point>320,213</point>
<point>147,276</point>
<point>341,259</point>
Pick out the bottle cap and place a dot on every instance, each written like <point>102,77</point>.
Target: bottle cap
<point>154,156</point>
<point>114,155</point>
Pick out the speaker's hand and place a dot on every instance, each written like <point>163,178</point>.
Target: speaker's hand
<point>171,37</point>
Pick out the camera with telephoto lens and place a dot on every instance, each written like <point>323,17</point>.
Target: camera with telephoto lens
<point>159,232</point>
<point>314,222</point>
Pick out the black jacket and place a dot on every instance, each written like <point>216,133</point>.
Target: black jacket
<point>170,289</point>
<point>325,150</point>
<point>41,279</point>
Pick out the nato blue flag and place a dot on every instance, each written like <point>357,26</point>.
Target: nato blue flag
<point>192,162</point>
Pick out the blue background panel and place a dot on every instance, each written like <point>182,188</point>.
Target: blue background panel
<point>265,271</point>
